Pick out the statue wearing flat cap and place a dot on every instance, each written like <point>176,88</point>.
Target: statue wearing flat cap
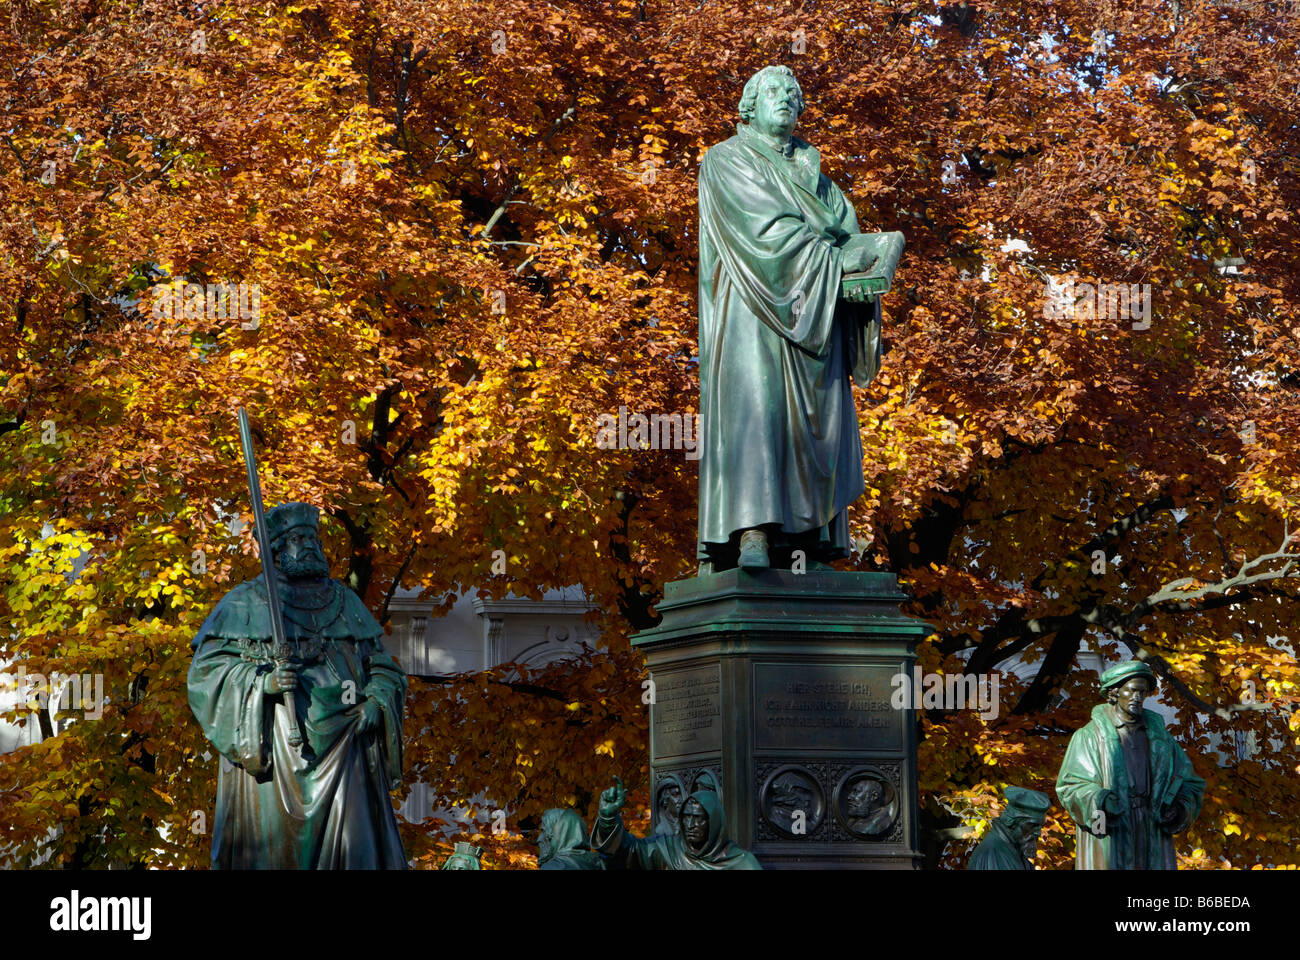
<point>1127,784</point>
<point>311,733</point>
<point>1012,841</point>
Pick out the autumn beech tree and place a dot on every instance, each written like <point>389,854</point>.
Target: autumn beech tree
<point>472,233</point>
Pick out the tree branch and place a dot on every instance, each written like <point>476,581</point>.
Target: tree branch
<point>515,188</point>
<point>1176,597</point>
<point>1162,669</point>
<point>519,687</point>
<point>384,616</point>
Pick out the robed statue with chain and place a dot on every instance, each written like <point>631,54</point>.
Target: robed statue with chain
<point>306,714</point>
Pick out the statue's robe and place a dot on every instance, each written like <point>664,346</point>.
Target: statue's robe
<point>1094,763</point>
<point>276,809</point>
<point>998,851</point>
<point>626,852</point>
<point>779,432</point>
<point>570,850</point>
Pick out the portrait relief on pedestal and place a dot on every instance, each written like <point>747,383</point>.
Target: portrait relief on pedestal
<point>866,803</point>
<point>792,801</point>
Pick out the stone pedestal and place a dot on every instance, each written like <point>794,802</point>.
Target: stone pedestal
<point>777,686</point>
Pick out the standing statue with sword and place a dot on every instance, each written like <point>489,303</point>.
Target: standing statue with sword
<point>293,687</point>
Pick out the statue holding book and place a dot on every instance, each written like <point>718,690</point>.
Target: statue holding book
<point>789,318</point>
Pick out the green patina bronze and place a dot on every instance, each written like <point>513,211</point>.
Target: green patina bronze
<point>789,317</point>
<point>767,681</point>
<point>1127,784</point>
<point>325,804</point>
<point>562,843</point>
<point>464,856</point>
<point>1013,838</point>
<point>701,842</point>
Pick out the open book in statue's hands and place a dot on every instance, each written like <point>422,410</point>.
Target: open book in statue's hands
<point>869,260</point>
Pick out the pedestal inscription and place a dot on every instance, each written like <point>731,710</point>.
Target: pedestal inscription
<point>686,711</point>
<point>825,707</point>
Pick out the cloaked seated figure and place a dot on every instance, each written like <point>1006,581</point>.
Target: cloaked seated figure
<point>322,804</point>
<point>701,842</point>
<point>1012,841</point>
<point>562,843</point>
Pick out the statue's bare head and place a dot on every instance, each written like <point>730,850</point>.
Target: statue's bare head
<point>864,796</point>
<point>772,101</point>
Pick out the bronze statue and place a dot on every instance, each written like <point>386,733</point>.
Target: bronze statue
<point>668,802</point>
<point>310,733</point>
<point>562,843</point>
<point>705,780</point>
<point>701,842</point>
<point>464,856</point>
<point>790,793</point>
<point>789,315</point>
<point>1127,784</point>
<point>1012,840</point>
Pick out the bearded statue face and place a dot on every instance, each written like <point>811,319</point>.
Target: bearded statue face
<point>301,556</point>
<point>1027,832</point>
<point>864,797</point>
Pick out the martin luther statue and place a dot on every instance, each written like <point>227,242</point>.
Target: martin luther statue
<point>783,331</point>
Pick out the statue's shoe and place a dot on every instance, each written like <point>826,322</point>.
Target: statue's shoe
<point>753,551</point>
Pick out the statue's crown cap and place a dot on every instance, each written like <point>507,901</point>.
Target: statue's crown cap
<point>1033,802</point>
<point>1125,671</point>
<point>283,518</point>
